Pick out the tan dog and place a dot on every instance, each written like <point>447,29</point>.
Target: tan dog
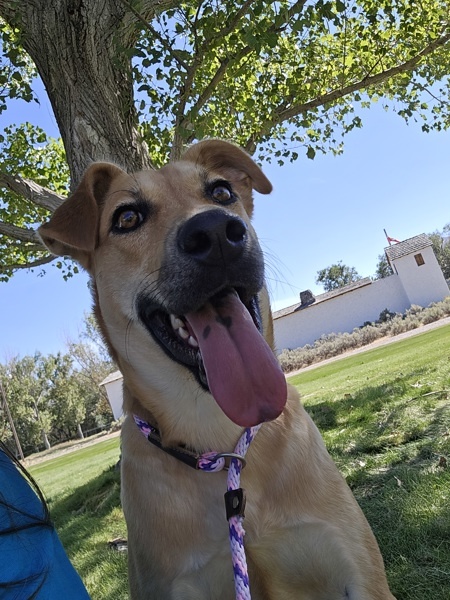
<point>178,282</point>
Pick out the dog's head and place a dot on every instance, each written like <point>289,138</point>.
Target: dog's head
<point>178,278</point>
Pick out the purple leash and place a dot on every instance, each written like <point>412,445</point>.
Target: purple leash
<point>235,503</point>
<point>234,497</point>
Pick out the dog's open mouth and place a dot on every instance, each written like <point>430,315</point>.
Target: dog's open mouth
<point>178,338</point>
<point>221,343</point>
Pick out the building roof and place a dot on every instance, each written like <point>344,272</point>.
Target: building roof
<point>323,297</point>
<point>112,377</point>
<point>414,244</point>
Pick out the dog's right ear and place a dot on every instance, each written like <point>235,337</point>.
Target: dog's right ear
<point>73,227</point>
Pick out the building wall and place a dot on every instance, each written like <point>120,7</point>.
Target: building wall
<point>423,284</point>
<point>412,284</point>
<point>341,313</point>
<point>114,389</point>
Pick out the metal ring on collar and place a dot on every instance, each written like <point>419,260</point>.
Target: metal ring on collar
<point>231,455</point>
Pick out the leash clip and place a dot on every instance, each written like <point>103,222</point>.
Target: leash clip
<point>235,503</point>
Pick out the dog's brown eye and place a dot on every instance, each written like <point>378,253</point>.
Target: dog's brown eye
<point>222,193</point>
<point>126,219</point>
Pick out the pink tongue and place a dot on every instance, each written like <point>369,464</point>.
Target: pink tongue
<point>243,374</point>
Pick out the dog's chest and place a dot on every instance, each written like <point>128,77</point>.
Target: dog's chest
<point>178,513</point>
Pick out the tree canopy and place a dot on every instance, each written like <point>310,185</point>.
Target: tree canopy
<point>135,81</point>
<point>336,276</point>
<point>441,247</point>
<point>383,269</point>
<point>54,398</point>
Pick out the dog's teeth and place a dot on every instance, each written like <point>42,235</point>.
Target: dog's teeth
<point>176,322</point>
<point>183,333</point>
<point>192,342</point>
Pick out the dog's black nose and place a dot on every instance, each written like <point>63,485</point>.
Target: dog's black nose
<point>213,237</point>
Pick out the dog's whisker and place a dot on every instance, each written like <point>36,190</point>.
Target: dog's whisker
<point>146,286</point>
<point>275,264</point>
<point>274,274</point>
<point>127,338</point>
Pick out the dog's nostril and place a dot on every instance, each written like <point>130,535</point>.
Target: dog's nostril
<point>236,231</point>
<point>197,242</point>
<point>214,237</point>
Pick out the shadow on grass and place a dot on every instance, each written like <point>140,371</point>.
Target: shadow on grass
<point>376,417</point>
<point>408,510</point>
<point>395,450</point>
<point>86,520</point>
<point>412,526</point>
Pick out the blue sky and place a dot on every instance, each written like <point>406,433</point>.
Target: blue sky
<point>390,176</point>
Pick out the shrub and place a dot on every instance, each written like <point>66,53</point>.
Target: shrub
<point>385,315</point>
<point>369,334</point>
<point>413,310</point>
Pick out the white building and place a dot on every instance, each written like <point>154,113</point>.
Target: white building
<point>114,389</point>
<point>417,279</point>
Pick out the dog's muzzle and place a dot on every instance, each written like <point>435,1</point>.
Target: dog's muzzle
<point>209,318</point>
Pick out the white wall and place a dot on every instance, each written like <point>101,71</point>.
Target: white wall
<point>423,284</point>
<point>114,389</point>
<point>340,313</point>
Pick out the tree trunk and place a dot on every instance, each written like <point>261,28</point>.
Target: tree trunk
<point>45,440</point>
<point>82,52</point>
<point>80,432</point>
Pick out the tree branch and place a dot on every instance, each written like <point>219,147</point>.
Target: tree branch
<point>221,71</point>
<point>423,88</point>
<point>181,120</point>
<point>150,8</point>
<point>368,81</point>
<point>19,233</point>
<point>178,139</point>
<point>31,191</point>
<point>229,28</point>
<point>212,85</point>
<point>233,23</point>
<point>164,43</point>
<point>363,83</point>
<point>8,10</point>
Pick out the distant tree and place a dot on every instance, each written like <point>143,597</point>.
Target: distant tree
<point>54,398</point>
<point>93,365</point>
<point>46,398</point>
<point>384,269</point>
<point>336,276</point>
<point>441,247</point>
<point>62,393</point>
<point>27,402</point>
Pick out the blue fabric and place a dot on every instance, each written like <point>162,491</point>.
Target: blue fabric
<point>33,557</point>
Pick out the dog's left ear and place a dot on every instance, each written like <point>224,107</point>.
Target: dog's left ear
<point>73,228</point>
<point>235,165</point>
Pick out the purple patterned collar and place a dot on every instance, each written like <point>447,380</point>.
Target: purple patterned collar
<point>208,461</point>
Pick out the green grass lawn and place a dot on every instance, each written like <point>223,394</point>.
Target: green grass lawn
<point>385,417</point>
